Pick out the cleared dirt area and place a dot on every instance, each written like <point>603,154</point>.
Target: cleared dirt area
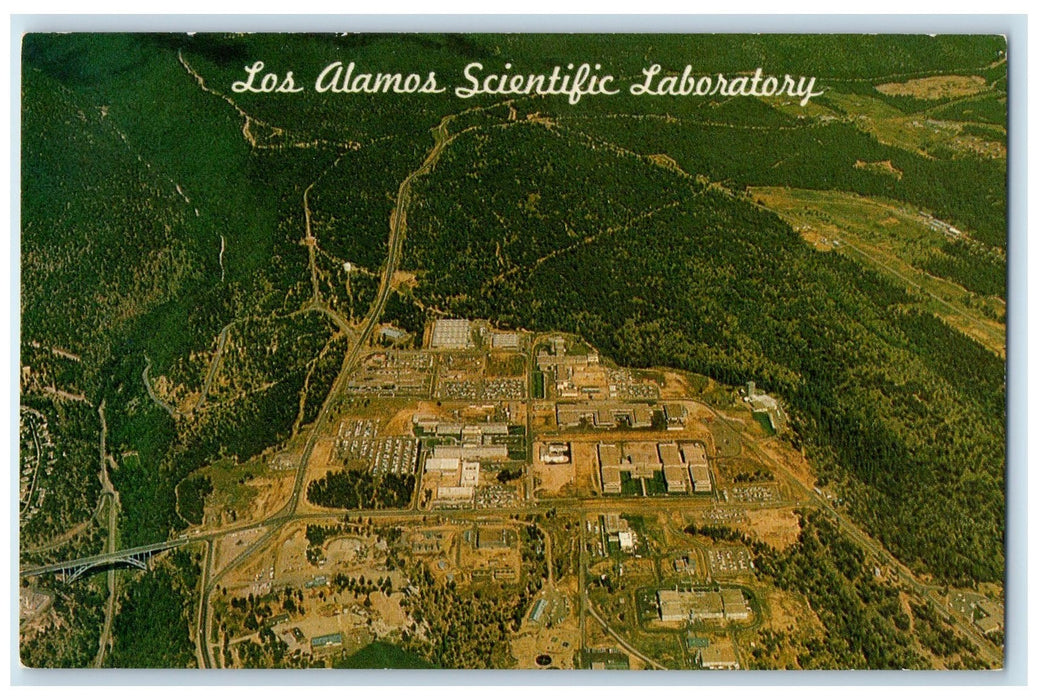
<point>665,161</point>
<point>789,612</point>
<point>674,386</point>
<point>31,603</point>
<point>585,464</point>
<point>777,528</point>
<point>790,460</point>
<point>230,546</point>
<point>883,167</point>
<point>550,479</point>
<point>402,279</point>
<point>245,493</point>
<point>274,492</point>
<point>255,576</point>
<point>556,631</point>
<point>936,87</point>
<point>322,461</point>
<point>558,643</point>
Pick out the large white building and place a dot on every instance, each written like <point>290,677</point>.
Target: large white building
<point>451,334</point>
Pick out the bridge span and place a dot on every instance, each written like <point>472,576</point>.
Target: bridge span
<point>73,569</point>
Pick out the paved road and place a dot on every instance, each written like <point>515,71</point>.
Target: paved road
<point>397,233</point>
<point>112,496</point>
<point>987,649</point>
<point>620,640</point>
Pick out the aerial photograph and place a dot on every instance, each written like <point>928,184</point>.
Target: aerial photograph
<point>674,352</point>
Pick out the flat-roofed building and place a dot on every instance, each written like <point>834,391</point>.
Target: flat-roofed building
<point>641,416</point>
<point>494,538</point>
<point>610,479</point>
<point>446,451</point>
<point>609,467</point>
<point>706,605</point>
<point>278,619</point>
<point>604,415</point>
<point>719,657</point>
<point>471,452</point>
<point>695,456</point>
<point>626,538</point>
<point>987,624</point>
<point>546,360</point>
<point>451,334</point>
<point>676,477</point>
<point>608,455</point>
<point>672,606</point>
<point>603,418</point>
<point>488,452</point>
<point>470,474</point>
<point>555,453</point>
<point>504,341</point>
<point>700,478</point>
<point>675,473</point>
<point>989,616</point>
<point>454,493</point>
<point>613,523</point>
<point>669,454</point>
<point>326,640</point>
<point>570,415</point>
<point>735,607</point>
<point>442,464</point>
<point>641,458</point>
<point>694,452</point>
<point>425,423</point>
<point>675,415</point>
<point>538,608</point>
<point>695,605</point>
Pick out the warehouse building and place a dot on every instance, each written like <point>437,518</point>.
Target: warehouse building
<point>471,452</point>
<point>505,341</point>
<point>454,493</point>
<point>604,415</point>
<point>735,607</point>
<point>609,467</point>
<point>470,474</point>
<point>555,453</point>
<point>728,604</point>
<point>717,657</point>
<point>442,464</point>
<point>675,471</point>
<point>675,415</point>
<point>695,456</point>
<point>325,641</point>
<point>451,334</point>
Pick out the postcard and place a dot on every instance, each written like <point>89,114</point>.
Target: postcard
<point>513,351</point>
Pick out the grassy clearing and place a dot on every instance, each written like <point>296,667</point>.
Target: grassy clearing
<point>895,240</point>
<point>913,132</point>
<point>936,87</point>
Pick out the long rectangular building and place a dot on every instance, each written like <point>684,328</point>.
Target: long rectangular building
<point>471,452</point>
<point>609,467</point>
<point>604,415</point>
<point>695,456</point>
<point>727,604</point>
<point>675,472</point>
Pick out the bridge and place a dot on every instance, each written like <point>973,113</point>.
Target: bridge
<point>73,569</point>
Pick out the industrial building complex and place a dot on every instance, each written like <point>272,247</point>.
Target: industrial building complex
<point>683,465</point>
